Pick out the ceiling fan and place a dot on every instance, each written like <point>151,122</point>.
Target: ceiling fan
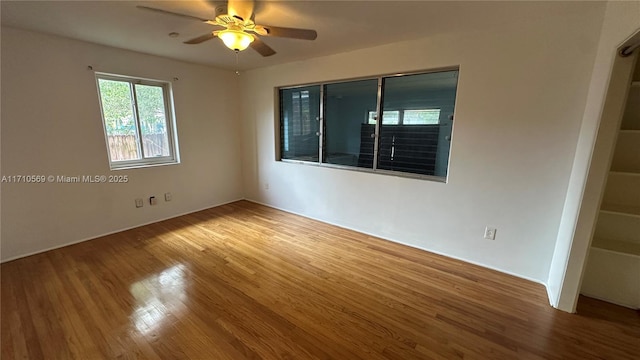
<point>240,31</point>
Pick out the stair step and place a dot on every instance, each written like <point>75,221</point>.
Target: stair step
<point>625,247</point>
<point>631,118</point>
<point>618,227</point>
<point>623,189</point>
<point>627,154</point>
<point>613,277</point>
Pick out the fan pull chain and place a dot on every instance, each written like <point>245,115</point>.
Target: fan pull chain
<point>237,71</point>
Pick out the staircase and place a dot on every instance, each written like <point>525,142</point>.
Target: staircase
<point>613,268</point>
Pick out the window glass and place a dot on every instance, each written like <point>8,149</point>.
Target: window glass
<point>372,117</point>
<point>137,121</point>
<point>419,141</point>
<point>349,139</point>
<point>119,120</point>
<point>390,117</point>
<point>421,117</point>
<point>153,121</point>
<point>300,123</point>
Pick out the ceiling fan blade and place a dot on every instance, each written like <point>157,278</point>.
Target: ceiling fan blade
<point>171,13</point>
<point>262,48</point>
<point>293,33</point>
<point>241,8</point>
<point>201,39</point>
<point>260,30</point>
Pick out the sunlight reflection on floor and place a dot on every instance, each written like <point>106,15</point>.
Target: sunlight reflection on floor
<point>159,297</point>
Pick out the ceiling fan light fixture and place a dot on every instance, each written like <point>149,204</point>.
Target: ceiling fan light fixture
<point>235,39</point>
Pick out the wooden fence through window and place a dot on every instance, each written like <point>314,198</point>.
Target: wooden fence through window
<point>124,147</point>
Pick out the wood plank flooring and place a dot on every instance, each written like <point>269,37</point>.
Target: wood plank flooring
<point>243,281</point>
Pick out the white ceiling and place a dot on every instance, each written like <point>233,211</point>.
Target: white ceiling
<point>341,25</point>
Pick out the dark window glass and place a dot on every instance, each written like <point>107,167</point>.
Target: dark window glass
<point>299,123</point>
<point>349,133</point>
<point>417,118</point>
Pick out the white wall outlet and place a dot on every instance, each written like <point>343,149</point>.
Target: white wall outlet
<point>168,196</point>
<point>139,203</point>
<point>490,233</point>
<point>153,201</point>
<point>266,186</point>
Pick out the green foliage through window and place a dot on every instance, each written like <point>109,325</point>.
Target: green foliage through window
<point>136,120</point>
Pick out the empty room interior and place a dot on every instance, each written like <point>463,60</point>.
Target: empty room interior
<point>320,179</point>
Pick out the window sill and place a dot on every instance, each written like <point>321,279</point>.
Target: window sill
<point>131,166</point>
<point>433,178</point>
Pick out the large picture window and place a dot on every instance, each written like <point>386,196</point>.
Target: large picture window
<point>138,121</point>
<point>337,124</point>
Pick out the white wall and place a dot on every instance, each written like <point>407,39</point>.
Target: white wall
<point>622,19</point>
<point>51,124</point>
<point>521,96</point>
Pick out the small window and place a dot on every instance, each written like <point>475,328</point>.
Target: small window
<point>138,121</point>
<point>388,117</point>
<point>421,117</point>
<point>391,117</point>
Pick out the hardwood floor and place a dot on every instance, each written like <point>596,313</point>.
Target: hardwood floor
<point>243,281</point>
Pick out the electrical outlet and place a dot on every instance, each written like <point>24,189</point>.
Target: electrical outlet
<point>139,203</point>
<point>153,201</point>
<point>266,186</point>
<point>490,233</point>
<point>168,196</point>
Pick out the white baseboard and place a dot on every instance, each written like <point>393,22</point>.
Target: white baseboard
<point>628,306</point>
<point>114,232</point>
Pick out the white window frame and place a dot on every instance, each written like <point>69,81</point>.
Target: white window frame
<point>172,137</point>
